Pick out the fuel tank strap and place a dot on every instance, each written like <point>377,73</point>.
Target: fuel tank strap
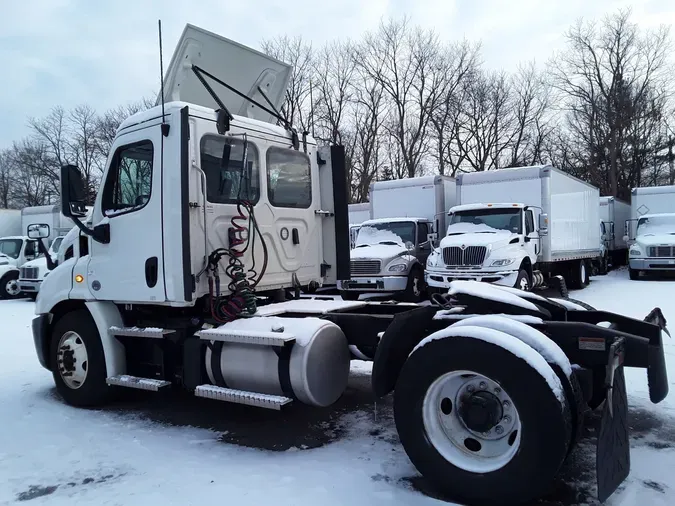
<point>216,352</point>
<point>284,368</point>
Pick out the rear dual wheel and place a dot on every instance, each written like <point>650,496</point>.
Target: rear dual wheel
<point>481,424</point>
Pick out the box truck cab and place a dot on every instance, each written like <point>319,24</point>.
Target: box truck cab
<point>518,227</point>
<point>391,249</point>
<point>15,251</point>
<point>33,272</point>
<point>653,248</point>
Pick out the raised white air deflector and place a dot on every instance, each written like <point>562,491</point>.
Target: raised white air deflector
<point>241,397</point>
<point>154,333</point>
<point>124,380</point>
<point>247,337</point>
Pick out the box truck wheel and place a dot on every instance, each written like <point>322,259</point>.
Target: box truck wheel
<point>578,274</point>
<point>604,265</point>
<point>523,281</point>
<point>9,288</point>
<point>480,423</point>
<point>634,274</point>
<point>78,361</point>
<point>415,287</point>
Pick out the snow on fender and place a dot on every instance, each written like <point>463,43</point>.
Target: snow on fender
<point>506,341</point>
<point>537,340</point>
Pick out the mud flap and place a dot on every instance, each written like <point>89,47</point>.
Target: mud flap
<point>613,452</point>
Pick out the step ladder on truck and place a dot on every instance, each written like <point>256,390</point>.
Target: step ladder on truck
<point>190,296</point>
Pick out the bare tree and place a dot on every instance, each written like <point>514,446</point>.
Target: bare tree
<point>608,78</point>
<point>297,53</point>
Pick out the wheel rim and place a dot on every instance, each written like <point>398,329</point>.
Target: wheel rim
<point>72,360</point>
<point>12,288</point>
<point>456,410</point>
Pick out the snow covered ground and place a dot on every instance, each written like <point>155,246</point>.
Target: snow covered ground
<point>149,449</point>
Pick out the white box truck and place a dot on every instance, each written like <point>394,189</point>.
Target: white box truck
<point>651,230</point>
<point>487,406</point>
<point>358,213</point>
<point>518,227</point>
<point>614,213</point>
<point>48,214</point>
<point>391,248</point>
<point>10,222</point>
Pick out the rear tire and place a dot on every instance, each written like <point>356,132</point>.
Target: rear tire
<point>604,265</point>
<point>86,386</point>
<point>578,275</point>
<point>543,442</point>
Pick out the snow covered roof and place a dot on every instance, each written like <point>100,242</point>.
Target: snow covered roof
<point>653,190</point>
<point>475,207</point>
<point>378,221</point>
<point>658,215</point>
<point>408,181</point>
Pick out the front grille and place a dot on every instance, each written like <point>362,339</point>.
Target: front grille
<point>471,255</point>
<point>365,267</point>
<point>28,273</point>
<point>661,251</point>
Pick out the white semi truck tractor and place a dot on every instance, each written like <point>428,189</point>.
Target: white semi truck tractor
<point>207,210</point>
<point>519,227</point>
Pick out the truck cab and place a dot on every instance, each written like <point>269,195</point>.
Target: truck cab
<point>653,248</point>
<point>15,251</point>
<point>33,272</point>
<point>497,243</point>
<point>389,256</point>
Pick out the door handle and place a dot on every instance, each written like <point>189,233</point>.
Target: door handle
<point>151,272</point>
<point>325,214</point>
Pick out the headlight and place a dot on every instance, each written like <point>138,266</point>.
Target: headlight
<point>3,262</point>
<point>635,251</point>
<point>503,262</point>
<point>397,267</point>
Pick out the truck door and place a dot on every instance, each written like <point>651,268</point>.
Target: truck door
<point>532,240</point>
<point>292,199</point>
<point>130,267</point>
<point>423,243</point>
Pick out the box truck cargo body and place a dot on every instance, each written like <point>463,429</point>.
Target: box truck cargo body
<point>358,213</point>
<point>613,214</point>
<point>391,248</point>
<point>10,222</point>
<point>651,230</point>
<point>51,215</point>
<point>517,227</point>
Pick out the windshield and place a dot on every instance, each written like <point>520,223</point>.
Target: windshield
<point>654,225</point>
<point>11,247</point>
<point>398,232</point>
<point>55,245</point>
<point>497,219</point>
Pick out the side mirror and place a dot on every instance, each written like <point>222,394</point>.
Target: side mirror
<point>72,192</point>
<point>222,121</point>
<point>626,238</point>
<point>38,231</point>
<point>543,224</point>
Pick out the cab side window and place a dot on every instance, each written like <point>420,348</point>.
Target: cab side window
<point>289,180</point>
<point>129,181</point>
<point>31,249</point>
<point>529,222</point>
<point>227,180</point>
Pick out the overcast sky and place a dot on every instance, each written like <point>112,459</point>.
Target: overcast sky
<point>104,53</point>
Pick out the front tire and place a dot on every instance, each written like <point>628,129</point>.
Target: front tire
<point>460,470</point>
<point>414,290</point>
<point>348,295</point>
<point>634,274</point>
<point>604,265</point>
<point>78,361</point>
<point>523,281</point>
<point>9,288</point>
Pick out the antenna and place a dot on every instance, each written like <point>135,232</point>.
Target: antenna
<point>311,106</point>
<point>165,126</point>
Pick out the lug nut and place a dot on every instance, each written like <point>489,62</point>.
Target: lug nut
<point>498,390</point>
<point>507,404</point>
<point>483,385</point>
<point>507,419</point>
<point>499,429</point>
<point>470,388</point>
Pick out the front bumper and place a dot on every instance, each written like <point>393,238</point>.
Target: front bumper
<point>30,285</point>
<point>653,264</point>
<point>40,327</point>
<point>375,284</point>
<point>442,278</point>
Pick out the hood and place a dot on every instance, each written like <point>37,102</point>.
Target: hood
<point>241,67</point>
<point>656,239</point>
<point>384,252</point>
<point>468,234</point>
<point>38,262</point>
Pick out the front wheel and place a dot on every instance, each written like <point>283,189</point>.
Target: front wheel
<point>415,287</point>
<point>9,286</point>
<point>634,274</point>
<point>78,361</point>
<point>481,424</point>
<point>348,295</point>
<point>523,281</point>
<point>603,269</point>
